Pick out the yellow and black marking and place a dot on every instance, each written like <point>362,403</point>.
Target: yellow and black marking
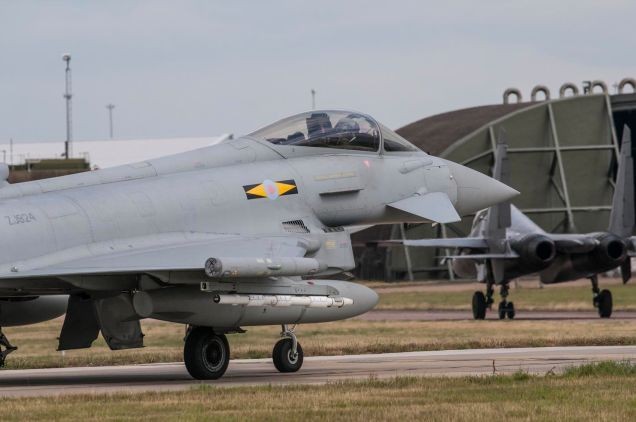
<point>270,189</point>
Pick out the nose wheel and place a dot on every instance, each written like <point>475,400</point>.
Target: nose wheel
<point>206,354</point>
<point>288,354</point>
<point>505,309</point>
<point>8,347</point>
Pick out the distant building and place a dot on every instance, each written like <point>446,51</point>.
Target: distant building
<point>102,154</point>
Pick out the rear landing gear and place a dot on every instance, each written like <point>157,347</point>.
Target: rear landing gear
<point>602,300</point>
<point>506,309</point>
<point>479,305</point>
<point>206,354</point>
<point>288,354</point>
<point>8,347</point>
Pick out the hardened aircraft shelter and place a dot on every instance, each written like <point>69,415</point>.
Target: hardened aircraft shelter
<point>562,157</point>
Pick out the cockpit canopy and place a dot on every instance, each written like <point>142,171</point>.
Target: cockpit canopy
<point>333,129</point>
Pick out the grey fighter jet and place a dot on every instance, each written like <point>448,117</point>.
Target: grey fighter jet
<point>238,234</point>
<point>505,244</point>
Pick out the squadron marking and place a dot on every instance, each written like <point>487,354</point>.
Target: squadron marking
<point>270,189</point>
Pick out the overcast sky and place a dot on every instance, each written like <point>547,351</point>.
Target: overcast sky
<point>198,68</point>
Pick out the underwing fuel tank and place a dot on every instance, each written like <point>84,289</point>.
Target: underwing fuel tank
<point>17,311</point>
<point>191,305</point>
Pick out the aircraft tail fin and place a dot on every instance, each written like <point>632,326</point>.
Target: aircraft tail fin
<point>622,216</point>
<point>499,215</point>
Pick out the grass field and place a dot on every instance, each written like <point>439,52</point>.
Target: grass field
<point>594,392</point>
<point>526,295</point>
<point>164,341</point>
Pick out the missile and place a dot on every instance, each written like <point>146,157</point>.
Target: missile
<point>282,300</point>
<point>261,267</point>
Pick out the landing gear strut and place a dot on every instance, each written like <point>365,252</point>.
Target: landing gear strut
<point>206,354</point>
<point>602,299</point>
<point>506,309</point>
<point>8,347</point>
<point>287,354</point>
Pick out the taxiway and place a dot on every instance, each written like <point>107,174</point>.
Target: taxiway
<point>316,370</point>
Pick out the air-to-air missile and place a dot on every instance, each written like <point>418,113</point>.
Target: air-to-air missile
<point>237,234</point>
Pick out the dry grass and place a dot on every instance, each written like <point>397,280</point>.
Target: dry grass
<point>164,341</point>
<point>608,395</point>
<point>526,295</point>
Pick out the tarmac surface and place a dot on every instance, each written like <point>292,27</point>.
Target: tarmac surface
<point>445,315</point>
<point>316,370</point>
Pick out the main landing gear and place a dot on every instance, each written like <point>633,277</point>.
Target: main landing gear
<point>481,303</point>
<point>602,299</point>
<point>207,354</point>
<point>8,347</point>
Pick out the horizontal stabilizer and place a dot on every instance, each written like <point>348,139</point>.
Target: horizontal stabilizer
<point>434,206</point>
<point>460,242</point>
<point>509,255</point>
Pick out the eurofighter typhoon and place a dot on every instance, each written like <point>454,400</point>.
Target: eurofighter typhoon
<point>239,234</point>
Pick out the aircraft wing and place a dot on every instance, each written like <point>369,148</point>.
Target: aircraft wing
<point>174,252</point>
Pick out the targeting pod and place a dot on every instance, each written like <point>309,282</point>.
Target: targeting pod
<point>282,300</point>
<point>260,267</point>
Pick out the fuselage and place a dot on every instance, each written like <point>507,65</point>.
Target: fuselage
<point>203,191</point>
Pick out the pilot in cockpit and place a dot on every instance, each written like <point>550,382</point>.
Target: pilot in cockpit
<point>333,129</point>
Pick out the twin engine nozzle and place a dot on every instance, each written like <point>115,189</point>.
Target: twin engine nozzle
<point>610,251</point>
<point>601,252</point>
<point>536,251</point>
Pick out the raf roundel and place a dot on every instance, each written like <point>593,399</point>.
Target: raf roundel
<point>270,189</point>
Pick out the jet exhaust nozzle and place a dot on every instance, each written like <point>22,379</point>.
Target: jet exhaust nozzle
<point>536,251</point>
<point>610,252</point>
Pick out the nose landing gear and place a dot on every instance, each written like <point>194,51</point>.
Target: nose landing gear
<point>481,303</point>
<point>287,354</point>
<point>8,347</point>
<point>506,309</point>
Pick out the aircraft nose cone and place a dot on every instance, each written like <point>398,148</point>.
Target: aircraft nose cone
<point>476,191</point>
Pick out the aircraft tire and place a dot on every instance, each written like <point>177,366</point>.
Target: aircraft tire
<point>503,306</point>
<point>604,301</point>
<point>282,356</point>
<point>206,354</point>
<point>510,312</point>
<point>479,305</point>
